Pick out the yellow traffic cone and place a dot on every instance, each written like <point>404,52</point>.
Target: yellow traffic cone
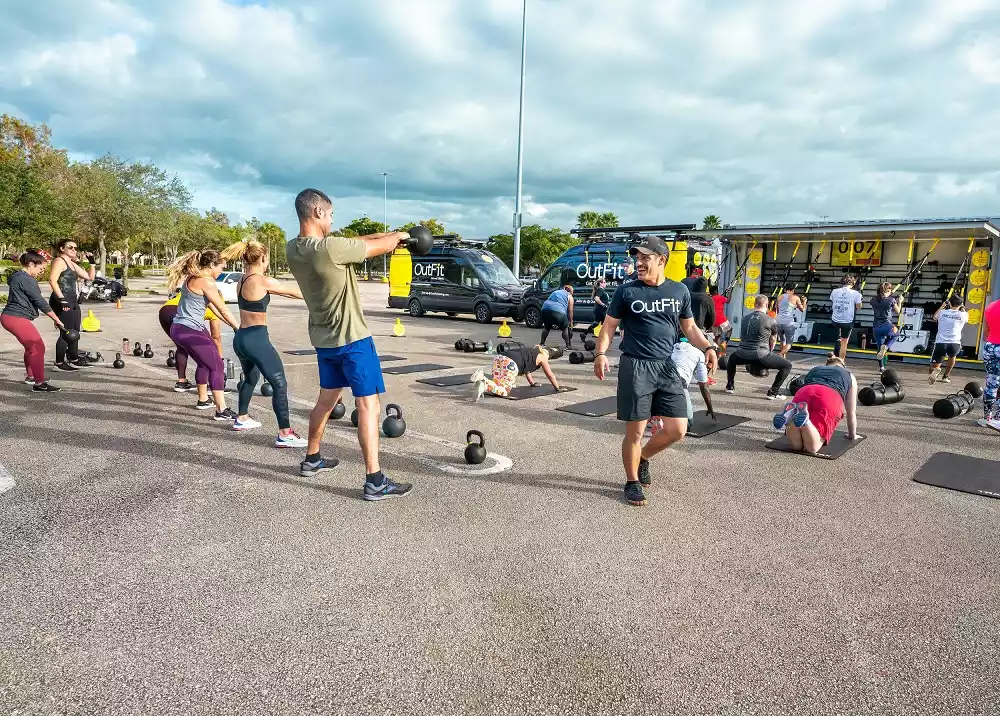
<point>90,324</point>
<point>118,303</point>
<point>397,330</point>
<point>504,330</point>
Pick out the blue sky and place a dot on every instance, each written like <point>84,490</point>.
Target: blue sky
<point>659,110</point>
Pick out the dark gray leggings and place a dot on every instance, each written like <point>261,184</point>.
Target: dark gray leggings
<point>258,357</point>
<point>770,360</point>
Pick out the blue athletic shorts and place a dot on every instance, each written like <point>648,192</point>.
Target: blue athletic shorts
<point>355,366</point>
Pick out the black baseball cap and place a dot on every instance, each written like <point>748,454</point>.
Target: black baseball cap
<point>651,245</point>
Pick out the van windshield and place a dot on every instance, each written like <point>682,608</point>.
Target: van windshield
<point>493,270</point>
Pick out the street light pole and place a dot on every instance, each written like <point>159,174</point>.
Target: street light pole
<point>520,148</point>
<point>385,214</point>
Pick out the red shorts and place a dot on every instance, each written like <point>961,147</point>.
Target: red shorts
<point>826,408</point>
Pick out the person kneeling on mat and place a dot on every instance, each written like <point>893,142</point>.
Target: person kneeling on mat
<point>757,346</point>
<point>523,360</point>
<point>691,366</point>
<point>828,393</point>
<point>951,319</point>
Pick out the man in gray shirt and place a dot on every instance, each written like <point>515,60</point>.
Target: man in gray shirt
<point>757,338</point>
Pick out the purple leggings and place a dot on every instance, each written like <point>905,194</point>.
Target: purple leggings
<point>200,346</point>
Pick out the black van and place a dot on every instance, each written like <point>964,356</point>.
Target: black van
<point>604,253</point>
<point>455,277</point>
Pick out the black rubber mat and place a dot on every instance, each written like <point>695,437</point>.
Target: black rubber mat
<point>447,381</point>
<point>415,368</point>
<point>593,408</point>
<point>703,425</point>
<point>524,392</point>
<point>974,475</point>
<point>839,444</point>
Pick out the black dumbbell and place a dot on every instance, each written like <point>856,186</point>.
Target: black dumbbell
<point>879,394</point>
<point>577,357</point>
<point>461,343</point>
<point>555,352</point>
<point>796,383</point>
<point>474,347</point>
<point>508,346</point>
<point>890,377</point>
<point>757,370</point>
<point>589,344</point>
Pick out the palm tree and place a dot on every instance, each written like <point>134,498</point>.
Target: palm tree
<point>711,222</point>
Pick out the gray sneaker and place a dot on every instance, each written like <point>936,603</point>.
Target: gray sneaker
<point>311,469</point>
<point>387,490</point>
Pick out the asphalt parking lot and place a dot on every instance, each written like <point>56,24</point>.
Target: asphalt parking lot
<point>154,562</point>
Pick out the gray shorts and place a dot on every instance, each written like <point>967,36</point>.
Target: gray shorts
<point>786,333</point>
<point>650,387</point>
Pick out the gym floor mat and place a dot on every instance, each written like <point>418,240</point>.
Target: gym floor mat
<point>839,444</point>
<point>593,408</point>
<point>703,425</point>
<point>974,475</point>
<point>415,368</point>
<point>447,381</point>
<point>312,352</point>
<point>523,392</point>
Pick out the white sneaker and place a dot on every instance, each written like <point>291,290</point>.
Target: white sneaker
<point>292,440</point>
<point>480,390</point>
<point>29,381</point>
<point>946,380</point>
<point>932,378</point>
<point>248,424</point>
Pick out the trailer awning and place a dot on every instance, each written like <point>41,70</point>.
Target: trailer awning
<point>904,229</point>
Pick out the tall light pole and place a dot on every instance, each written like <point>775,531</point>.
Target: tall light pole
<point>385,214</point>
<point>520,148</point>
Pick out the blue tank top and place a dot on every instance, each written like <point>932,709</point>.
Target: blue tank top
<point>832,376</point>
<point>558,301</point>
<point>191,309</point>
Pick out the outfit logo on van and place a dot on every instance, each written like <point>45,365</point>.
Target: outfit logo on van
<point>426,270</point>
<point>597,271</point>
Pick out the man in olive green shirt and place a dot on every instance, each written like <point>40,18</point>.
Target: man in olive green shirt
<point>323,266</point>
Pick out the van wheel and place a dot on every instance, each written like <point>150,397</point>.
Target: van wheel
<point>532,317</point>
<point>483,313</point>
<point>452,313</point>
<point>415,308</point>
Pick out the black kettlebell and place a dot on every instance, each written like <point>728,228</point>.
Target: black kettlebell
<point>393,426</point>
<point>119,363</point>
<point>354,417</point>
<point>339,410</point>
<point>71,335</point>
<point>266,390</point>
<point>148,353</point>
<point>475,453</point>
<point>137,351</point>
<point>171,360</point>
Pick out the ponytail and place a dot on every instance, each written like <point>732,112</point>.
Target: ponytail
<point>193,263</point>
<point>249,252</point>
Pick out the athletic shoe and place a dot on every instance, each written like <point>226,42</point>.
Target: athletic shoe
<point>634,494</point>
<point>945,379</point>
<point>292,440</point>
<point>730,388</point>
<point>477,376</point>
<point>644,477</point>
<point>204,405</point>
<point>82,362</point>
<point>66,366</point>
<point>780,420</point>
<point>479,390</point>
<point>387,490</point>
<point>882,351</point>
<point>771,395</point>
<point>932,378</point>
<point>801,416</point>
<point>989,423</point>
<point>711,381</point>
<point>44,388</point>
<point>183,386</point>
<point>248,424</point>
<point>29,381</point>
<point>311,469</point>
<point>227,414</point>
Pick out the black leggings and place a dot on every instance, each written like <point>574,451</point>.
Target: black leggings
<point>600,313</point>
<point>772,361</point>
<point>257,356</point>
<point>553,319</point>
<point>71,319</point>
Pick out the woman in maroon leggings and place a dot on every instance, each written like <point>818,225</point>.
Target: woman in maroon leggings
<point>24,304</point>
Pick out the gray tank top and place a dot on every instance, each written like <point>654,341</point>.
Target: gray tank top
<point>786,314</point>
<point>191,309</point>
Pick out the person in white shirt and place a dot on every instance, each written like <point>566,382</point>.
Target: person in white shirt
<point>951,319</point>
<point>690,365</point>
<point>845,302</point>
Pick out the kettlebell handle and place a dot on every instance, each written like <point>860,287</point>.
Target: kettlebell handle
<point>475,433</point>
<point>393,407</point>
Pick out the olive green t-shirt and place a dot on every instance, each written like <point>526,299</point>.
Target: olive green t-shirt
<point>324,271</point>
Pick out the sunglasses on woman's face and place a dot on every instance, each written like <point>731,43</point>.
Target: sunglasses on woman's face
<point>71,248</point>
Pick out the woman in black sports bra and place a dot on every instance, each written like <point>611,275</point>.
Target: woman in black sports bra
<point>252,345</point>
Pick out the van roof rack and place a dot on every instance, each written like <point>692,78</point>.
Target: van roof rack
<point>628,230</point>
<point>456,241</point>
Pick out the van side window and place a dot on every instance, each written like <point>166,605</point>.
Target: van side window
<point>453,272</point>
<point>469,277</point>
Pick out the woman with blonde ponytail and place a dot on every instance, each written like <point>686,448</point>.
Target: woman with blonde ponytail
<point>252,344</point>
<point>195,273</point>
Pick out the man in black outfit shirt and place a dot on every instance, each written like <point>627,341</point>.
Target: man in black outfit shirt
<point>654,311</point>
<point>757,338</point>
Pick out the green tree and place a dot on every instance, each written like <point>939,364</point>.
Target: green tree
<point>711,222</point>
<point>273,236</point>
<point>433,225</point>
<point>539,247</point>
<point>596,220</point>
<point>503,246</point>
<point>30,212</point>
<point>364,226</point>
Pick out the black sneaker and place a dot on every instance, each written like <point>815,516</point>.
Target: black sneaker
<point>730,388</point>
<point>644,477</point>
<point>311,469</point>
<point>44,388</point>
<point>82,362</point>
<point>204,405</point>
<point>183,386</point>
<point>634,494</point>
<point>66,366</point>
<point>388,489</point>
<point>771,395</point>
<point>227,414</point>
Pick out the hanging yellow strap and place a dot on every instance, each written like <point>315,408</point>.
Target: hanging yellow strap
<point>822,247</point>
<point>961,269</point>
